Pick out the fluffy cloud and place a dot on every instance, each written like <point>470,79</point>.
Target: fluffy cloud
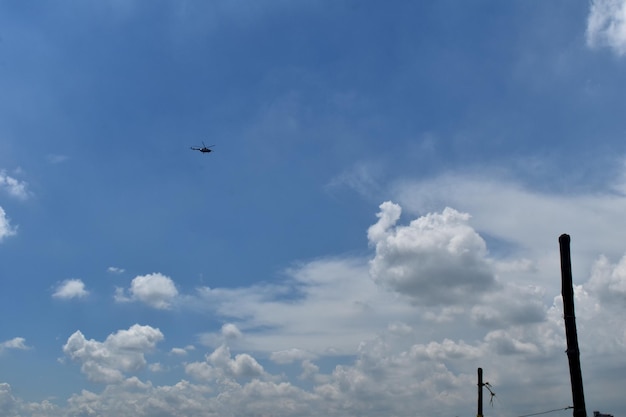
<point>7,400</point>
<point>15,343</point>
<point>436,259</point>
<point>440,275</point>
<point>70,288</point>
<point>393,373</point>
<point>608,280</point>
<point>156,290</point>
<point>231,331</point>
<point>524,225</point>
<point>13,187</point>
<point>220,365</point>
<point>606,25</point>
<point>6,229</point>
<point>403,352</point>
<point>178,351</point>
<point>122,351</point>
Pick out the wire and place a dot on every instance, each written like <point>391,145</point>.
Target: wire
<point>546,412</point>
<point>493,394</point>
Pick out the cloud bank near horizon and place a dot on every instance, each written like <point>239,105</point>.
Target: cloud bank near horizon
<point>416,329</point>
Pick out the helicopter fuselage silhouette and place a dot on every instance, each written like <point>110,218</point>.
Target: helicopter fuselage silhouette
<point>204,149</point>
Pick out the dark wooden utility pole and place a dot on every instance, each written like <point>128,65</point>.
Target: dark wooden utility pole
<point>573,354</point>
<point>480,393</point>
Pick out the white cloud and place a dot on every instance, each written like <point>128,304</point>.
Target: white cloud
<point>512,304</point>
<point>71,288</point>
<point>121,352</point>
<point>7,400</point>
<point>115,270</point>
<point>290,356</point>
<point>525,224</point>
<point>436,259</point>
<point>156,367</point>
<point>440,275</point>
<point>156,290</point>
<point>606,25</point>
<point>6,229</point>
<point>327,305</point>
<point>406,352</point>
<point>220,365</point>
<point>15,343</point>
<point>362,178</point>
<point>608,280</point>
<point>182,351</point>
<point>393,373</point>
<point>13,187</point>
<point>231,331</point>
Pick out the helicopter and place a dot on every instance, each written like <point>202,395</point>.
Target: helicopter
<point>204,149</point>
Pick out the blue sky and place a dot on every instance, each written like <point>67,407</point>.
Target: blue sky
<point>378,219</point>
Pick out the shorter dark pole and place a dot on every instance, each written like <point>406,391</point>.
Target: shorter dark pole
<point>573,354</point>
<point>480,393</point>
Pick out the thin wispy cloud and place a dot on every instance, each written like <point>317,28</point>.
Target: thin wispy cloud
<point>57,158</point>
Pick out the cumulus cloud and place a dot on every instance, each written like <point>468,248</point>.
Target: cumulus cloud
<point>220,364</point>
<point>6,229</point>
<point>525,224</point>
<point>13,187</point>
<point>155,290</point>
<point>437,268</point>
<point>15,343</point>
<point>231,331</point>
<point>608,280</point>
<point>70,288</point>
<point>182,351</point>
<point>400,369</point>
<point>402,352</point>
<point>513,304</point>
<point>121,352</point>
<point>436,259</point>
<point>606,25</point>
<point>7,400</point>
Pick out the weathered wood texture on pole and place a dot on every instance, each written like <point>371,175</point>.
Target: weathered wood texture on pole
<point>479,413</point>
<point>573,354</point>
